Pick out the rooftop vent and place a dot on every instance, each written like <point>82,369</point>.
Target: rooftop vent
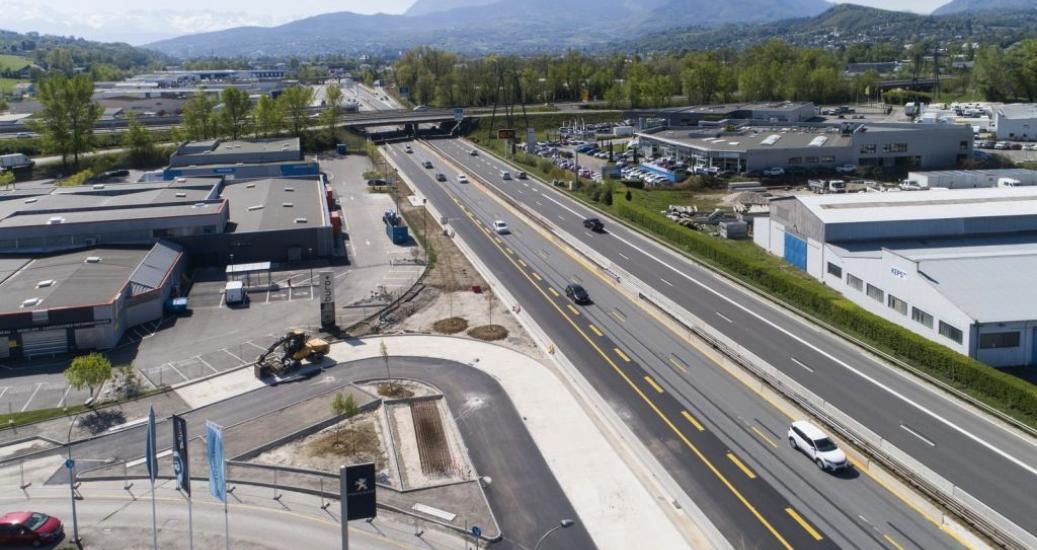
<point>250,186</point>
<point>93,259</point>
<point>98,186</point>
<point>31,302</point>
<point>181,194</point>
<point>198,205</point>
<point>289,189</point>
<point>255,207</point>
<point>30,201</point>
<point>55,220</point>
<point>45,284</point>
<point>181,180</point>
<point>300,220</point>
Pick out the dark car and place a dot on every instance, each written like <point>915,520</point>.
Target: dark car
<point>33,528</point>
<point>577,294</point>
<point>376,183</point>
<point>440,176</point>
<point>116,174</point>
<point>427,164</point>
<point>594,224</point>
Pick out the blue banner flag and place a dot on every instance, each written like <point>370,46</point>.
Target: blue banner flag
<point>150,458</point>
<point>217,479</point>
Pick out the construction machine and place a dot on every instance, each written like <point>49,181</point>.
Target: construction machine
<point>287,354</point>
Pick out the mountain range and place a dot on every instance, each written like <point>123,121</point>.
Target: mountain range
<point>960,6</point>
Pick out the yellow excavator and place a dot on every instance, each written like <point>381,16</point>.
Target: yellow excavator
<point>287,354</point>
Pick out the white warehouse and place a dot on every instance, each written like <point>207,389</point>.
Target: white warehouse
<point>955,266</point>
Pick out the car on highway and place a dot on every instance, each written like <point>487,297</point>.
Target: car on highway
<point>810,440</point>
<point>521,175</point>
<point>474,152</point>
<point>421,108</point>
<point>500,228</point>
<point>577,294</point>
<point>505,175</point>
<point>461,178</point>
<point>30,528</point>
<point>594,224</point>
<point>407,149</point>
<point>440,176</point>
<point>23,135</point>
<point>427,164</point>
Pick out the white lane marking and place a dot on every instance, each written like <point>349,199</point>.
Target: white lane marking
<point>206,363</point>
<point>240,360</point>
<point>802,364</point>
<point>172,366</point>
<point>575,213</point>
<point>561,218</point>
<point>64,396</point>
<point>34,392</point>
<point>624,256</point>
<point>918,435</point>
<point>724,317</point>
<point>539,203</point>
<point>3,391</point>
<point>665,281</point>
<point>830,357</point>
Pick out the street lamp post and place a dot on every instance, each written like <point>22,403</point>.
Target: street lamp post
<point>72,473</point>
<point>565,523</point>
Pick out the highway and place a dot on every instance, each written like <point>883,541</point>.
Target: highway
<point>723,446</point>
<point>991,462</point>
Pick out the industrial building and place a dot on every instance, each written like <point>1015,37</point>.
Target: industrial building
<point>778,111</point>
<point>970,179</point>
<point>740,146</point>
<point>1016,121</point>
<point>84,300</point>
<point>237,160</point>
<point>216,221</point>
<point>955,266</point>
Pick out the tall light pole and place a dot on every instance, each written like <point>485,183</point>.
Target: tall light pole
<point>565,523</point>
<point>71,464</point>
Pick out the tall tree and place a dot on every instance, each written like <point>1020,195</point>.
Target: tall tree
<point>91,370</point>
<point>139,143</point>
<point>199,119</point>
<point>236,115</point>
<point>66,121</point>
<point>295,103</point>
<point>333,110</point>
<point>269,117</point>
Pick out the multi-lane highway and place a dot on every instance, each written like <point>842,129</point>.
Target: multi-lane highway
<point>722,445</point>
<point>991,462</point>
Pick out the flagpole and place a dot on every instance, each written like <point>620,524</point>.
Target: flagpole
<point>154,529</point>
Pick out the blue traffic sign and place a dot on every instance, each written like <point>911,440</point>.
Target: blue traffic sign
<point>69,463</point>
<point>458,113</point>
<point>476,530</point>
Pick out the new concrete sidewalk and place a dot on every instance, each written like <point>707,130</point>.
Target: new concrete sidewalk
<point>617,510</point>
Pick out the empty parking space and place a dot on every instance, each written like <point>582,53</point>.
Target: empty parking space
<point>218,360</point>
<point>17,397</point>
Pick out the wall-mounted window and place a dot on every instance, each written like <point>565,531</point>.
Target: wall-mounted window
<point>868,149</point>
<point>835,270</point>
<point>854,282</point>
<point>995,340</point>
<point>951,332</point>
<point>921,317</point>
<point>896,304</point>
<point>875,293</point>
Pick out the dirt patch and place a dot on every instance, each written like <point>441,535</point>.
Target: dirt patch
<point>450,325</point>
<point>359,442</point>
<point>432,445</point>
<point>394,390</point>
<point>489,333</point>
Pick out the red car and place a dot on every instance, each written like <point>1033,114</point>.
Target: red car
<point>20,528</point>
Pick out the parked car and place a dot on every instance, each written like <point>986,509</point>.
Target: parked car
<point>577,294</point>
<point>809,439</point>
<point>594,224</point>
<point>440,176</point>
<point>116,174</point>
<point>500,228</point>
<point>376,183</point>
<point>461,178</point>
<point>30,528</point>
<point>846,168</point>
<point>427,164</point>
<point>774,172</point>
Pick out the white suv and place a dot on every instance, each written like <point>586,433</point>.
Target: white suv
<point>808,438</point>
<point>500,228</point>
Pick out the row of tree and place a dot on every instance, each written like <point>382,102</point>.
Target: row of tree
<point>234,115</point>
<point>1007,74</point>
<point>770,71</point>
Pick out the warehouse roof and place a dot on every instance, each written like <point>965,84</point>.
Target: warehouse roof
<point>755,137</point>
<point>155,267</point>
<point>1018,110</point>
<point>922,205</point>
<point>204,153</point>
<point>113,214</point>
<point>68,280</point>
<point>271,204</point>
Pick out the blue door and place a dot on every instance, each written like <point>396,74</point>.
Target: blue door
<point>796,251</point>
<point>1033,359</point>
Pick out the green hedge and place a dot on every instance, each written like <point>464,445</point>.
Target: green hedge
<point>1005,392</point>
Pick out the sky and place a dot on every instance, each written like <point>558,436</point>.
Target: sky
<point>150,20</point>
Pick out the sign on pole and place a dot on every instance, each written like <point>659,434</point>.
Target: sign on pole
<point>459,113</point>
<point>327,298</point>
<point>150,458</point>
<point>360,491</point>
<point>217,477</point>
<point>506,133</point>
<point>180,464</point>
<point>531,140</point>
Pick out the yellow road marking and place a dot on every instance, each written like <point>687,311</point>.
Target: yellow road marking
<point>573,309</point>
<point>677,364</point>
<point>595,330</point>
<point>537,277</point>
<point>655,386</point>
<point>741,466</point>
<point>764,437</point>
<point>508,250</point>
<point>498,240</point>
<point>893,542</point>
<point>621,355</point>
<point>553,291</point>
<point>803,523</point>
<point>689,418</point>
<point>666,420</point>
<point>484,230</point>
<point>523,264</point>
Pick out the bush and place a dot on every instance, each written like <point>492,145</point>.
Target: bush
<point>1003,391</point>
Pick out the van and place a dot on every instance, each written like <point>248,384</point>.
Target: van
<point>234,293</point>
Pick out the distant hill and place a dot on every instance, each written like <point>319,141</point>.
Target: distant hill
<point>961,6</point>
<point>482,26</point>
<point>36,46</point>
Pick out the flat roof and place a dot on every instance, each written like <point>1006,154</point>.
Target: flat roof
<point>110,214</point>
<point>273,204</point>
<point>72,280</point>
<point>922,205</point>
<point>1017,110</point>
<point>754,137</point>
<point>259,146</point>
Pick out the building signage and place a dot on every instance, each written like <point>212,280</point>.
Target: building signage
<point>358,485</point>
<point>327,298</point>
<point>81,324</point>
<point>180,461</point>
<point>506,134</point>
<point>898,273</point>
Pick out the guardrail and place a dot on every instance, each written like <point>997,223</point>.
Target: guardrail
<point>981,516</point>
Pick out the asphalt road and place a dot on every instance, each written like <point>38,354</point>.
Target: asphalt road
<point>736,468</point>
<point>992,463</point>
<point>524,494</point>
